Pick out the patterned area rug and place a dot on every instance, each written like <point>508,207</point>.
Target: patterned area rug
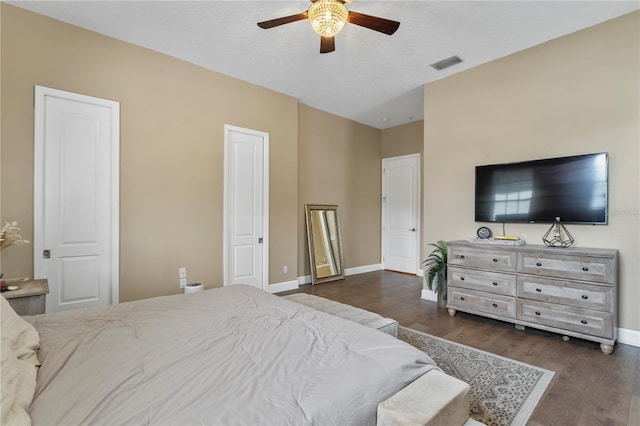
<point>503,391</point>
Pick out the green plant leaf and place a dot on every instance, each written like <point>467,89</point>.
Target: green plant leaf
<point>436,264</point>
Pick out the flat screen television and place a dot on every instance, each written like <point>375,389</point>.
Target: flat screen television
<point>571,188</point>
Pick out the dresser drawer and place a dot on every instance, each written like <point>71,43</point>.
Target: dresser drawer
<point>585,268</point>
<point>465,299</point>
<point>497,260</point>
<point>587,321</point>
<point>492,282</point>
<point>581,295</point>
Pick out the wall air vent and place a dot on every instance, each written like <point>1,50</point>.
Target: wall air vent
<point>446,63</point>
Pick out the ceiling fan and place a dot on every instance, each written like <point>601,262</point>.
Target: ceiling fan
<point>327,18</point>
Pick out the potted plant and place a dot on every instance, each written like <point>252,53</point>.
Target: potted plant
<point>436,271</point>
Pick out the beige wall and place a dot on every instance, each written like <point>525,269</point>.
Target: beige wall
<point>574,95</point>
<point>339,163</point>
<point>172,134</point>
<point>402,140</point>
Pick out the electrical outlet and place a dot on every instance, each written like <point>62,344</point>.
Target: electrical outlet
<point>182,274</point>
<point>285,269</point>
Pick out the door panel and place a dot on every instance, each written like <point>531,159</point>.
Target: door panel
<point>79,183</point>
<point>244,267</point>
<point>401,246</point>
<point>80,279</point>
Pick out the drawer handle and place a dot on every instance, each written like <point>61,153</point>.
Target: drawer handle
<point>461,298</point>
<point>539,290</point>
<point>495,305</point>
<point>585,269</point>
<point>538,264</point>
<point>461,278</point>
<point>538,313</point>
<point>494,283</point>
<point>462,256</point>
<point>585,297</point>
<point>495,260</point>
<point>583,321</point>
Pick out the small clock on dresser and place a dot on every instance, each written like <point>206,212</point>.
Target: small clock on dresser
<point>484,233</point>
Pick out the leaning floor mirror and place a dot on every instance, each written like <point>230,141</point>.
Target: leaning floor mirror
<point>325,243</point>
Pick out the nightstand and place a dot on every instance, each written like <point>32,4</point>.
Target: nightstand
<point>29,298</point>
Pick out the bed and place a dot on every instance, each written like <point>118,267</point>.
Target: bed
<point>232,355</point>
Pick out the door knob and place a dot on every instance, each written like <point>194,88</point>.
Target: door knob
<point>46,254</point>
<point>412,229</point>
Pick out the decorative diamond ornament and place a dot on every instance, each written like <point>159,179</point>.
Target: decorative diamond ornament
<point>558,236</point>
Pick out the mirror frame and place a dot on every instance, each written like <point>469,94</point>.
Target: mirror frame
<point>309,208</point>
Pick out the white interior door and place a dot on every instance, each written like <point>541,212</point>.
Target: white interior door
<point>246,205</point>
<point>400,213</point>
<point>76,192</point>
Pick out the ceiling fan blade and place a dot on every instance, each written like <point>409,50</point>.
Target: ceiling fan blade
<point>281,21</point>
<point>382,25</point>
<point>327,44</point>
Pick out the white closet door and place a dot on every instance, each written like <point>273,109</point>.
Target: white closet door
<point>76,190</point>
<point>246,207</point>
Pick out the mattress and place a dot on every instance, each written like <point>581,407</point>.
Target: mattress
<point>233,355</point>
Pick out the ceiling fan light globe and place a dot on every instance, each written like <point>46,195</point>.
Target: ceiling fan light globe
<point>327,17</point>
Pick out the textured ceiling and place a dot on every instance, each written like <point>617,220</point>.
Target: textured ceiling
<point>371,78</point>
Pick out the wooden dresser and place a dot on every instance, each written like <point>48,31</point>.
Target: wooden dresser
<point>571,291</point>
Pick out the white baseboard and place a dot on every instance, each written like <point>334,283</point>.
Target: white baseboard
<point>429,295</point>
<point>362,269</point>
<point>306,279</point>
<point>420,273</point>
<point>284,286</point>
<point>629,337</point>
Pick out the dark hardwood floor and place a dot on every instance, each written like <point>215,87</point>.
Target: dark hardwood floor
<point>589,387</point>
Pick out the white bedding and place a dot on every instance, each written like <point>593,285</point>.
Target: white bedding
<point>234,355</point>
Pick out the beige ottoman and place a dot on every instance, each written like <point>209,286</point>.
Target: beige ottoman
<point>434,399</point>
<point>351,313</point>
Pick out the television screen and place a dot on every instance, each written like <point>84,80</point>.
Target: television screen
<point>571,188</point>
